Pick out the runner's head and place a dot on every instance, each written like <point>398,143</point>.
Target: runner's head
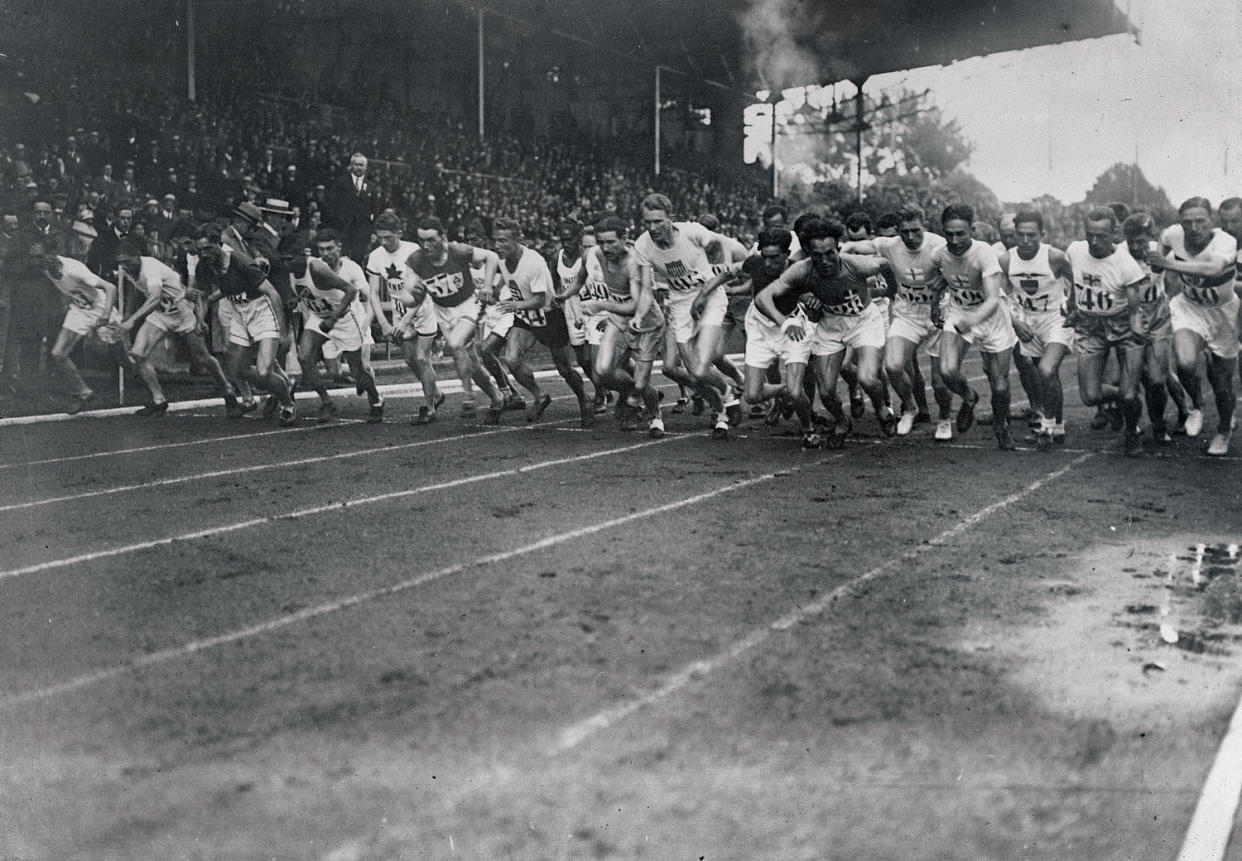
<point>328,246</point>
<point>1101,227</point>
<point>1140,232</point>
<point>210,246</point>
<point>507,238</point>
<point>803,223</point>
<point>823,239</point>
<point>388,232</point>
<point>1008,231</point>
<point>956,223</point>
<point>858,226</point>
<point>569,232</point>
<point>1028,232</point>
<point>775,215</point>
<point>128,258</point>
<point>431,235</point>
<point>774,243</point>
<point>610,235</point>
<point>887,224</point>
<point>657,212</point>
<point>1229,213</point>
<point>1195,216</point>
<point>911,221</point>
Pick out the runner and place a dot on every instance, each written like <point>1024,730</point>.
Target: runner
<point>1200,266</point>
<point>92,310</point>
<point>165,311</point>
<point>256,317</point>
<point>413,327</point>
<point>584,333</point>
<point>1141,237</point>
<point>910,255</point>
<point>328,288</point>
<point>442,268</point>
<point>535,320</point>
<point>1037,275</point>
<point>839,287</point>
<point>972,278</point>
<point>675,254</point>
<point>633,324</point>
<point>1104,308</point>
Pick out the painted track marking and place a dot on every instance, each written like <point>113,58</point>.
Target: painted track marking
<point>575,734</point>
<point>163,656</point>
<point>324,509</point>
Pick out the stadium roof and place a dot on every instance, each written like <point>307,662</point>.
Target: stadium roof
<point>747,44</point>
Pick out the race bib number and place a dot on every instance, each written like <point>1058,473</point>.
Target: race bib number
<point>968,298</point>
<point>851,307</point>
<point>1035,303</point>
<point>1094,300</point>
<point>595,290</point>
<point>1207,296</point>
<point>529,316</point>
<point>317,305</point>
<point>444,284</point>
<point>82,299</point>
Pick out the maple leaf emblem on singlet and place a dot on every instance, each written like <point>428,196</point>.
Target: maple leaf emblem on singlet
<point>392,273</point>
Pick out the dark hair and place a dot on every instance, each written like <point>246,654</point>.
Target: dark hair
<point>611,223</point>
<point>126,249</point>
<point>1141,224</point>
<point>568,223</point>
<point>857,220</point>
<point>1230,203</point>
<point>508,225</point>
<point>709,221</point>
<point>778,236</point>
<point>803,222</point>
<point>887,220</point>
<point>957,212</point>
<point>430,222</point>
<point>1028,216</point>
<point>821,229</point>
<point>1201,202</point>
<point>327,235</point>
<point>773,209</point>
<point>386,222</point>
<point>1122,211</point>
<point>211,231</point>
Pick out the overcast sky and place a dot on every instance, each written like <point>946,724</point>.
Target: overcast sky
<point>1050,120</point>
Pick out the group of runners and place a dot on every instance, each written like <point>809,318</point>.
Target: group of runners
<point>1142,308</point>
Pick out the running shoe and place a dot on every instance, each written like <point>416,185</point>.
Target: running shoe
<point>720,427</point>
<point>1219,446</point>
<point>1194,422</point>
<point>153,409</point>
<point>906,423</point>
<point>375,414</point>
<point>655,428</point>
<point>944,430</point>
<point>327,412</point>
<point>1004,439</point>
<point>1133,445</point>
<point>680,406</point>
<point>80,402</point>
<point>888,422</point>
<point>812,440</point>
<point>539,406</point>
<point>288,415</point>
<point>514,401</point>
<point>836,436</point>
<point>1043,439</point>
<point>966,413</point>
<point>697,406</point>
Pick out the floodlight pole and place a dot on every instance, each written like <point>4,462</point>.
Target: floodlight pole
<point>189,50</point>
<point>482,97</point>
<point>858,130</point>
<point>657,120</point>
<point>776,180</point>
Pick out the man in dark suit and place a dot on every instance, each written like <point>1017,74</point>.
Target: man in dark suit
<point>350,206</point>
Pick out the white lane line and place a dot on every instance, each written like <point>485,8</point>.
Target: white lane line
<point>260,467</point>
<point>323,509</point>
<point>1207,838</point>
<point>579,732</point>
<point>12,700</point>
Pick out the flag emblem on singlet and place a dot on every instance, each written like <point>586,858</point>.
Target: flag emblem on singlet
<point>676,269</point>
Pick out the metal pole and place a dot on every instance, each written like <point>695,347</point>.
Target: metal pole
<point>657,120</point>
<point>858,130</point>
<point>776,182</point>
<point>482,103</point>
<point>189,50</point>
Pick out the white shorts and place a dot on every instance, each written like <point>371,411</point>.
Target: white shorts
<point>913,323</point>
<point>885,305</point>
<point>449,317</point>
<point>424,323</point>
<point>835,332</point>
<point>492,322</point>
<point>81,321</point>
<point>345,337</point>
<point>1050,328</point>
<point>1217,325</point>
<point>766,343</point>
<point>179,319</point>
<point>993,335</point>
<point>252,322</point>
<point>683,325</point>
